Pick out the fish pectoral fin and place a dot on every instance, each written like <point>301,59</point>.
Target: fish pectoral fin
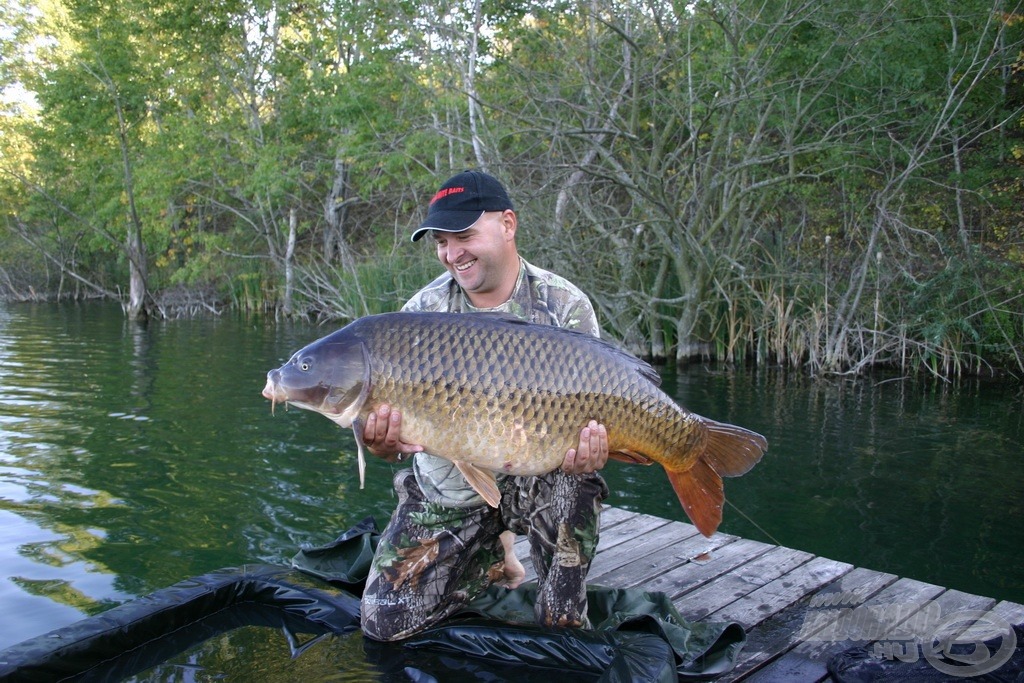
<point>631,457</point>
<point>482,482</point>
<point>700,491</point>
<point>357,433</point>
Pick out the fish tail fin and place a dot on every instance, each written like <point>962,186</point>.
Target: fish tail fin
<point>729,451</point>
<point>732,450</point>
<point>699,489</point>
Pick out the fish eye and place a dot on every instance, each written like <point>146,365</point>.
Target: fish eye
<point>304,366</point>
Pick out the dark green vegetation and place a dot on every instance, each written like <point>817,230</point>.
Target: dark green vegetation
<point>828,185</point>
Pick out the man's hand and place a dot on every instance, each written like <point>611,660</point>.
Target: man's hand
<point>592,453</point>
<point>382,434</point>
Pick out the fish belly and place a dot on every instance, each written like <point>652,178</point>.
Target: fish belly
<point>506,446</point>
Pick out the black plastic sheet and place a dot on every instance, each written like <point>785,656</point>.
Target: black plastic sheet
<point>139,634</point>
<point>637,636</point>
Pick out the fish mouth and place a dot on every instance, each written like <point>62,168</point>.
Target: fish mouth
<point>274,393</point>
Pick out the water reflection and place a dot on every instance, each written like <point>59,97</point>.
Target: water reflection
<point>132,457</point>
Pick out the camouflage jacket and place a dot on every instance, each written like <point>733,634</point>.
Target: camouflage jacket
<point>539,296</point>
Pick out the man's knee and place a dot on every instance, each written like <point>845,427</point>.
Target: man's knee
<point>382,621</point>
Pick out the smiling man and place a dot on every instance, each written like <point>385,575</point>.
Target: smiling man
<point>444,545</point>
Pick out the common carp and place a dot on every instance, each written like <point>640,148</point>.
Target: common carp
<point>496,394</point>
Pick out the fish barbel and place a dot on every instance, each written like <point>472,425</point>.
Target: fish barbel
<point>496,394</point>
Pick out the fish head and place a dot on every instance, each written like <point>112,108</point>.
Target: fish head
<point>331,376</point>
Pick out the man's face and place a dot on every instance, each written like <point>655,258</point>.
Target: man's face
<point>483,257</point>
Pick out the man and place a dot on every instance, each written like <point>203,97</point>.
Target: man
<point>444,544</point>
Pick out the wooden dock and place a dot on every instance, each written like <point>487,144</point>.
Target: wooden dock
<point>770,590</point>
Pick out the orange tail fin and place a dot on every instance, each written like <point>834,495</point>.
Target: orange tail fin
<point>730,451</point>
<point>700,491</point>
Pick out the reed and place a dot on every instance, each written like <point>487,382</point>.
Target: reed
<point>250,292</point>
<point>366,287</point>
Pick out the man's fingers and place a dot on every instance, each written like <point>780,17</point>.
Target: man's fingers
<point>384,416</point>
<point>592,452</point>
<point>600,447</point>
<point>569,464</point>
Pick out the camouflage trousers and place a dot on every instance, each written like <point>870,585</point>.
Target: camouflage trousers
<point>432,560</point>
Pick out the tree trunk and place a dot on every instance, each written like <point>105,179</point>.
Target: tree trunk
<point>289,262</point>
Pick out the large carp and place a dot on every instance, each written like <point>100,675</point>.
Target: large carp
<point>495,394</point>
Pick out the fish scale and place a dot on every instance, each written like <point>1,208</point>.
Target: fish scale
<point>495,394</point>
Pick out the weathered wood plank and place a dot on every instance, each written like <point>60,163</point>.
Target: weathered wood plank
<point>617,527</point>
<point>627,530</point>
<point>799,610</point>
<point>610,516</point>
<point>1011,611</point>
<point>710,559</point>
<point>711,597</point>
<point>657,550</point>
<point>850,626</point>
<point>775,596</point>
<point>792,628</point>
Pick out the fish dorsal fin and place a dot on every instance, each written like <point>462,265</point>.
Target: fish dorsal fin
<point>482,482</point>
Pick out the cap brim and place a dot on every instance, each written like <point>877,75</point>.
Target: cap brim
<point>448,221</point>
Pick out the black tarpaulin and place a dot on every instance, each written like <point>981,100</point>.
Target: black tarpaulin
<point>637,636</point>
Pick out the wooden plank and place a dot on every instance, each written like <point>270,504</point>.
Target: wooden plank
<point>785,631</point>
<point>799,610</point>
<point>628,530</point>
<point>780,593</point>
<point>896,603</point>
<point>657,550</point>
<point>988,621</point>
<point>1011,611</point>
<point>610,516</point>
<point>625,526</point>
<point>707,559</point>
<point>711,597</point>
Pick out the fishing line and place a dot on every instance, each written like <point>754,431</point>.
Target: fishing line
<point>756,525</point>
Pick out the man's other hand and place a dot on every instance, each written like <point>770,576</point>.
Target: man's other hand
<point>592,452</point>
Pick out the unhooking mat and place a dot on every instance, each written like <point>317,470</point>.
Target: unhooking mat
<point>638,636</point>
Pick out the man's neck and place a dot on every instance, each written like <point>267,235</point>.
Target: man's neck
<point>499,295</point>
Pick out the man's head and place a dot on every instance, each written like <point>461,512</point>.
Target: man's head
<point>461,201</point>
<point>474,226</point>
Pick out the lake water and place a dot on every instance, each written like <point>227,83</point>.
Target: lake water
<point>133,457</point>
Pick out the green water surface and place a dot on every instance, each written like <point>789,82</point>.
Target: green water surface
<point>132,457</point>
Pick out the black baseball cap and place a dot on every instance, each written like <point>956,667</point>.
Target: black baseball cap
<point>461,201</point>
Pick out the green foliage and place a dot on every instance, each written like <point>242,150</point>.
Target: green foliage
<point>719,176</point>
<point>966,312</point>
